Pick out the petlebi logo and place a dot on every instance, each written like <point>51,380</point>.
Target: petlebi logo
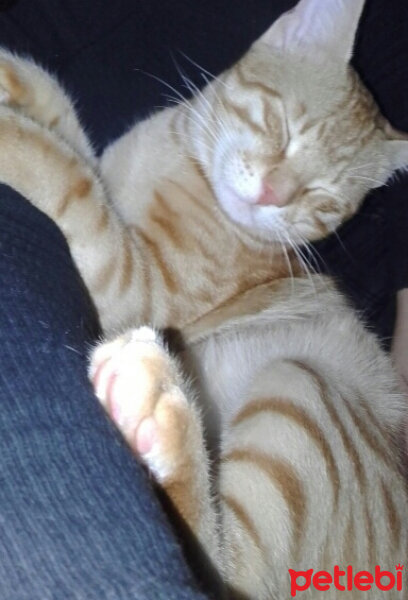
<point>346,580</point>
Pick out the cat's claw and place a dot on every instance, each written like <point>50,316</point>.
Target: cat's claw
<point>137,382</point>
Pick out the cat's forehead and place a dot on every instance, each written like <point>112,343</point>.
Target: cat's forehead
<point>294,79</point>
<point>324,101</point>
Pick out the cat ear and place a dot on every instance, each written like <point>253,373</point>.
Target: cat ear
<point>317,27</point>
<point>397,152</point>
<point>396,147</point>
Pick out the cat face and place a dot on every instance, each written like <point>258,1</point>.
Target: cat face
<point>289,138</point>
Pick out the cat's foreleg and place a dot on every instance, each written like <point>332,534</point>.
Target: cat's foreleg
<point>55,179</point>
<point>141,388</point>
<point>26,86</point>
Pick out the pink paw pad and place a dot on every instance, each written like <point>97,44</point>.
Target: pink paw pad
<point>146,435</point>
<point>135,381</point>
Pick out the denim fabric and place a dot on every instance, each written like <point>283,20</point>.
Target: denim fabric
<point>78,519</point>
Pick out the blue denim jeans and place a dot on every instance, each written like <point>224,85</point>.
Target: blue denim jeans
<point>78,516</point>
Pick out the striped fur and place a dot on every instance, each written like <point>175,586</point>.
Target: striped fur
<point>194,220</point>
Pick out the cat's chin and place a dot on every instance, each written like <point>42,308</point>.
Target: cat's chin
<point>264,222</point>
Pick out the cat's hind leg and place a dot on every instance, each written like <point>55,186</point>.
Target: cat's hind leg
<point>141,388</point>
<point>279,481</point>
<point>26,86</point>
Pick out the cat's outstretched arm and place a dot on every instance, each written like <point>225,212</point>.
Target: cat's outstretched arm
<point>46,156</point>
<point>54,178</point>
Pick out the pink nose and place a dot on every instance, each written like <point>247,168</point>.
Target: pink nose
<point>268,196</point>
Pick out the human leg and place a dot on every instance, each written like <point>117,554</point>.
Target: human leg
<point>78,517</point>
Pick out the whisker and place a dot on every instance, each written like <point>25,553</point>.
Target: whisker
<point>312,251</point>
<point>370,179</point>
<point>363,166</point>
<point>201,98</point>
<point>203,70</point>
<point>287,259</point>
<point>343,247</point>
<point>165,83</point>
<point>314,255</point>
<point>304,262</point>
<point>202,124</point>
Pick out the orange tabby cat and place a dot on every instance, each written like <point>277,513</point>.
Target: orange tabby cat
<point>195,222</point>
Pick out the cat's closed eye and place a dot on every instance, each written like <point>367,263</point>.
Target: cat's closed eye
<point>315,189</point>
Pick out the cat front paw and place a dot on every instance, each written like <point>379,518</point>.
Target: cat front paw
<point>138,384</point>
<point>27,87</point>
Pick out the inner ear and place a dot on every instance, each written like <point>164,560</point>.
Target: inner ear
<point>394,134</point>
<point>396,147</point>
<point>316,27</point>
<point>397,151</point>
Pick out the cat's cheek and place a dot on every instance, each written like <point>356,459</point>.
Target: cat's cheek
<point>237,210</point>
